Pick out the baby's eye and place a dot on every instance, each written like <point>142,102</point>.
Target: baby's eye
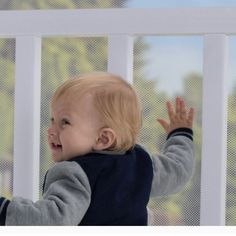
<point>52,120</point>
<point>65,122</point>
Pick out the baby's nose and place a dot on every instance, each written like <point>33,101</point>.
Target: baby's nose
<point>51,132</point>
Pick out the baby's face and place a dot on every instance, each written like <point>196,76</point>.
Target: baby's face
<point>74,129</point>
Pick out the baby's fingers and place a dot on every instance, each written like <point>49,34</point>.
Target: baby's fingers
<point>183,112</point>
<point>177,105</point>
<point>190,118</point>
<point>164,124</point>
<point>170,111</point>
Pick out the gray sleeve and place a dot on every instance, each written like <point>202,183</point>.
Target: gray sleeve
<point>65,201</point>
<point>173,168</point>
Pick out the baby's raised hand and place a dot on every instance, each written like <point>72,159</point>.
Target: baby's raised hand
<point>180,116</point>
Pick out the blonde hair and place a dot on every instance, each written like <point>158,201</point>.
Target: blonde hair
<point>114,99</point>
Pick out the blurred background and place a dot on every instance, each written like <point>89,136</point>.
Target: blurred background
<point>164,67</point>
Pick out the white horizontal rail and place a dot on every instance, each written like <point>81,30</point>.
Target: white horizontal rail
<point>95,22</point>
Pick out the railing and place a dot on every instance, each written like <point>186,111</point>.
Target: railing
<point>214,24</point>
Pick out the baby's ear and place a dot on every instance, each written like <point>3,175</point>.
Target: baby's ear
<point>106,138</point>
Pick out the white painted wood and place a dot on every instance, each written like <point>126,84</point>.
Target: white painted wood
<point>27,117</point>
<point>94,22</point>
<point>120,56</point>
<point>214,130</point>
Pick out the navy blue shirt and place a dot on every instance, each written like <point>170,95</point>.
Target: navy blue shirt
<point>120,186</point>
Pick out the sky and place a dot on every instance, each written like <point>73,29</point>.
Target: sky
<point>171,58</point>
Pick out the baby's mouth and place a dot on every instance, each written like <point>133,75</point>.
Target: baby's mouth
<point>57,147</point>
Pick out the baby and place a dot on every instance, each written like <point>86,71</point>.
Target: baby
<point>102,176</point>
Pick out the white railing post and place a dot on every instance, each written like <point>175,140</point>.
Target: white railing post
<point>27,117</point>
<point>214,130</point>
<point>120,56</point>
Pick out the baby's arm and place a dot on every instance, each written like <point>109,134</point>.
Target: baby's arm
<point>174,166</point>
<point>65,201</point>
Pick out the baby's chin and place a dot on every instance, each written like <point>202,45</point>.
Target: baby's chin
<point>55,159</point>
<point>59,158</point>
